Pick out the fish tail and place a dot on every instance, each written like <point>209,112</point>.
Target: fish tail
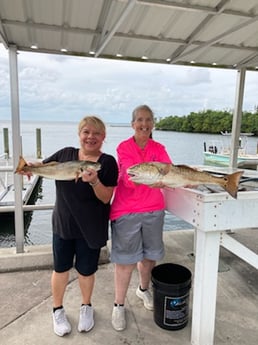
<point>21,164</point>
<point>77,175</point>
<point>232,181</point>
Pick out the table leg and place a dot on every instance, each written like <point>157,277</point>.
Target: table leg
<point>205,287</point>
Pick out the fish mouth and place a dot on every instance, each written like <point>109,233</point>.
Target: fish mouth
<point>135,177</point>
<point>131,173</point>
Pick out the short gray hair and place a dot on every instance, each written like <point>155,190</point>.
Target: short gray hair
<point>142,107</point>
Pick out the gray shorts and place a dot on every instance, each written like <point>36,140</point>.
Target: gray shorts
<point>137,236</point>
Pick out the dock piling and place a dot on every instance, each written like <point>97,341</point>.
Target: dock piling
<point>6,142</point>
<point>38,142</point>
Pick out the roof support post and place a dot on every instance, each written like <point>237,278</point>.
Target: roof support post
<point>237,117</point>
<point>17,149</point>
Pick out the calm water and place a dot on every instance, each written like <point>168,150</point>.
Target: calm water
<point>184,148</point>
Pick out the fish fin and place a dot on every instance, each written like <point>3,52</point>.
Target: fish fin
<point>21,164</point>
<point>165,170</point>
<point>187,167</point>
<point>50,163</point>
<point>182,166</point>
<point>232,181</point>
<point>77,175</point>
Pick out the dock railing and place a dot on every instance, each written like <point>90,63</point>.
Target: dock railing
<point>18,208</point>
<point>5,209</point>
<point>5,168</point>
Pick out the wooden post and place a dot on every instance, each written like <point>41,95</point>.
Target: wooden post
<point>6,143</point>
<point>38,139</point>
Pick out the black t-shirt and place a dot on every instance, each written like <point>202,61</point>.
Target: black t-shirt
<point>78,213</point>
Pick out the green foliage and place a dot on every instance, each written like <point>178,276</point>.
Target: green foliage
<point>208,121</point>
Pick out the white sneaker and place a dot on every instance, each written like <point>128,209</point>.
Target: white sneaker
<point>146,297</point>
<point>61,324</point>
<point>118,318</point>
<point>86,320</point>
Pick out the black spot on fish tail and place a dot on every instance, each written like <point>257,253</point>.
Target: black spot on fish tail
<point>232,182</point>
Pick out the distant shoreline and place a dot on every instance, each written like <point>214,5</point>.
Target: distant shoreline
<point>119,124</point>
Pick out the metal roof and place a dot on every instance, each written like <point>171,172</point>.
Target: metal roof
<point>203,32</point>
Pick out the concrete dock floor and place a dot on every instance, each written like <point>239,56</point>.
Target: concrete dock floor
<point>26,302</point>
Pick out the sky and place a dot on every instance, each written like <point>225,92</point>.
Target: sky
<point>65,88</point>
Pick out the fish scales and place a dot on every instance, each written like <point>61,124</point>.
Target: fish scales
<point>71,170</point>
<point>150,173</point>
<point>184,174</point>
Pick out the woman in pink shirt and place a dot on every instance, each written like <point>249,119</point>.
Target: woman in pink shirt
<point>137,216</point>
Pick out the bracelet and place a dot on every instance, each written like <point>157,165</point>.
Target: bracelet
<point>94,184</point>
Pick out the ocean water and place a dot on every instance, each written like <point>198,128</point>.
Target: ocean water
<point>183,148</point>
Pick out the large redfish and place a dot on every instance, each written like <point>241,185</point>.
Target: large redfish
<point>180,176</point>
<point>71,170</point>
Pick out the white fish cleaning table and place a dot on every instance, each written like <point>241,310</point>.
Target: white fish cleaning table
<point>212,214</point>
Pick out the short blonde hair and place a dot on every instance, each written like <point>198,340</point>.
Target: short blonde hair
<point>94,121</point>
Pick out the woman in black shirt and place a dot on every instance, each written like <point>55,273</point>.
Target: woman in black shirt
<point>80,222</point>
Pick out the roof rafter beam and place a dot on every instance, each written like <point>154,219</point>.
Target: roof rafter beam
<point>198,29</point>
<point>129,58</point>
<point>2,35</point>
<point>102,23</point>
<point>66,10</point>
<point>28,14</point>
<point>49,27</point>
<point>3,40</point>
<point>129,6</point>
<point>217,38</point>
<point>193,8</point>
<point>177,5</point>
<point>248,59</point>
<point>221,6</point>
<point>181,41</point>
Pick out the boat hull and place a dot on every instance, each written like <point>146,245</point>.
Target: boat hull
<point>248,161</point>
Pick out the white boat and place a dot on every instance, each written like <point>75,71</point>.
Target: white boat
<point>217,152</point>
<point>241,134</point>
